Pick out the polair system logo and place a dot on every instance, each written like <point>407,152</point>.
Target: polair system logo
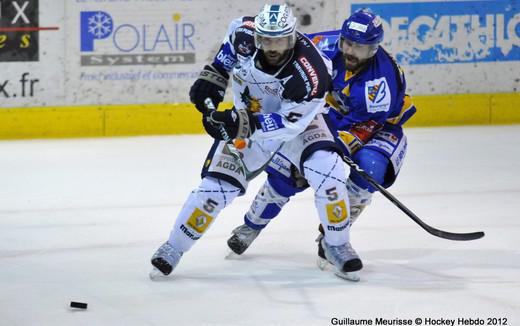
<point>106,42</point>
<point>99,25</point>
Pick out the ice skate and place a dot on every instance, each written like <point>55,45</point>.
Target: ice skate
<point>164,261</point>
<point>344,259</point>
<point>241,239</point>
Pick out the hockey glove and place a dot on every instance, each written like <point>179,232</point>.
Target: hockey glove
<point>212,83</point>
<point>236,124</point>
<point>351,143</point>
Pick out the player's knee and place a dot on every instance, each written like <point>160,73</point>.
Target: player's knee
<point>215,194</point>
<point>325,173</point>
<point>372,162</point>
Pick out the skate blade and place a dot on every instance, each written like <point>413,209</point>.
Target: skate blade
<point>232,256</point>
<point>156,275</point>
<point>350,276</point>
<point>322,263</point>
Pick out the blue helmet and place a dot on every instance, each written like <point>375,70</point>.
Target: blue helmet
<point>363,27</point>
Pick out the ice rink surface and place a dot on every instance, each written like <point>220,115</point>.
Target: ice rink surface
<point>80,219</point>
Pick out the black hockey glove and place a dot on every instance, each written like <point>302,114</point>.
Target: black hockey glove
<point>235,123</point>
<point>212,83</point>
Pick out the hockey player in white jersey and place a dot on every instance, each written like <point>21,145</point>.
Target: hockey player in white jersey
<point>279,81</point>
<point>368,108</point>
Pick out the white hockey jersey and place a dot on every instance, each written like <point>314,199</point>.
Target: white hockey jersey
<point>284,101</point>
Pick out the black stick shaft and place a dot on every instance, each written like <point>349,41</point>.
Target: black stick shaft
<point>211,107</point>
<point>415,218</point>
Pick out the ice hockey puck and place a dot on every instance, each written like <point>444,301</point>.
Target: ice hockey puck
<point>79,305</point>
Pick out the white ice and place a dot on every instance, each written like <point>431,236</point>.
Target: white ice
<point>80,219</point>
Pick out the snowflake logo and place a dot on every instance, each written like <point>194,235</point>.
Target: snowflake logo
<point>100,25</point>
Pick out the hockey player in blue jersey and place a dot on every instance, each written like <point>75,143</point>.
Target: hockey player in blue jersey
<point>279,82</point>
<point>368,108</point>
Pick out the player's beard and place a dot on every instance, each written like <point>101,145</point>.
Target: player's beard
<point>276,58</point>
<point>352,63</point>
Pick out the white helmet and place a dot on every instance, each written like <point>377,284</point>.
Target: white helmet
<point>275,22</point>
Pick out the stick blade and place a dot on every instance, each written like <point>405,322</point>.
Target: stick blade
<point>455,236</point>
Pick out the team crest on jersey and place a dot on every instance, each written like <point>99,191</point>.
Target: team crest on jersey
<point>337,212</point>
<point>252,103</point>
<point>199,221</point>
<point>377,95</point>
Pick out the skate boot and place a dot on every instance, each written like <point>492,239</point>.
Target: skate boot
<point>164,260</point>
<point>344,258</point>
<point>241,239</point>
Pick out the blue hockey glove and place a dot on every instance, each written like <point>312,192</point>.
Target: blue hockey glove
<point>235,123</point>
<point>212,83</point>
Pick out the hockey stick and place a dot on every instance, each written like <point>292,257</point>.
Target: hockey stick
<point>415,218</point>
<point>233,150</point>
